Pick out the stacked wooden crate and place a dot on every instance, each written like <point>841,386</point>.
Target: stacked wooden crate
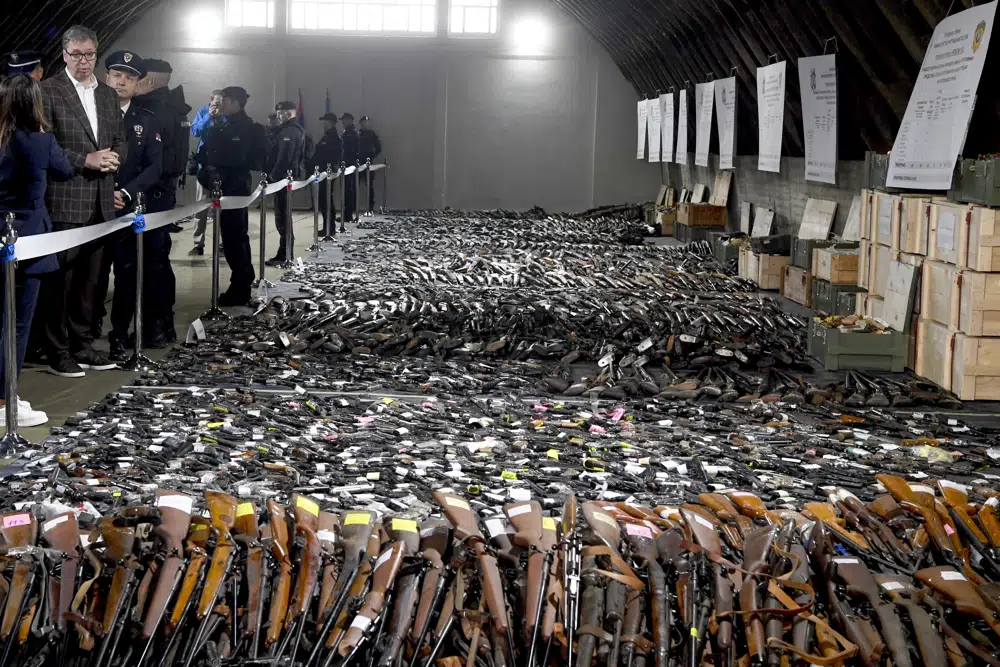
<point>695,219</point>
<point>958,337</point>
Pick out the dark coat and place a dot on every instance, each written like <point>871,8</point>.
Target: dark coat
<point>76,201</point>
<point>27,163</point>
<point>352,146</point>
<point>329,151</point>
<point>370,145</point>
<point>141,170</point>
<point>228,151</point>
<point>288,147</point>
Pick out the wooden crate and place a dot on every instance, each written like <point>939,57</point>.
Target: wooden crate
<point>743,266</point>
<point>864,265</point>
<point>881,256</point>
<point>963,300</point>
<point>767,271</point>
<point>836,266</point>
<point>865,226</point>
<point>914,225</point>
<point>874,306</point>
<point>702,215</point>
<point>946,223</point>
<point>885,219</point>
<point>968,366</point>
<point>797,285</point>
<point>917,261</point>
<point>979,240</point>
<point>666,220</point>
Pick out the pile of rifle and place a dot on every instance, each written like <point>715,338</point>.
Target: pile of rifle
<point>215,579</point>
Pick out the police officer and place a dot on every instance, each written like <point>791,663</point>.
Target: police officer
<point>172,117</point>
<point>230,150</point>
<point>289,145</point>
<point>352,154</point>
<point>371,148</point>
<point>137,175</point>
<point>329,151</point>
<point>28,63</point>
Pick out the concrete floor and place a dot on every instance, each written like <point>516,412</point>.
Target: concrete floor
<point>63,397</point>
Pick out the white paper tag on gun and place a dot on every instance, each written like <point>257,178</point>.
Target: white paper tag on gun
<point>196,332</point>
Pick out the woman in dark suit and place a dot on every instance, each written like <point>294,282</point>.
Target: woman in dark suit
<point>28,158</point>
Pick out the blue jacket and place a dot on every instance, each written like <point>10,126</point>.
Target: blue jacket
<point>27,161</point>
<point>202,121</point>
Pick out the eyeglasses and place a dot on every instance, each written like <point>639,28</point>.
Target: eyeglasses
<point>90,56</point>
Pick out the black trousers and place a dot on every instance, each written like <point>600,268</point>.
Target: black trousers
<point>159,283</point>
<point>26,288</point>
<point>69,298</point>
<point>370,182</point>
<point>282,221</point>
<point>329,216</point>
<point>234,227</point>
<point>350,194</point>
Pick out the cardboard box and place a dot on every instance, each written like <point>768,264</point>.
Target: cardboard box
<point>836,265</point>
<point>666,220</point>
<point>702,215</point>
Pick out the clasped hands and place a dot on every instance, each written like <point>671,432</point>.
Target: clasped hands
<point>105,160</point>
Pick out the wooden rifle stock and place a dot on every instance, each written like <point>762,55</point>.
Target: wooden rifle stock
<point>329,527</point>
<point>282,590</point>
<point>383,575</point>
<point>527,521</point>
<point>197,558</point>
<point>248,529</point>
<point>306,512</point>
<point>175,513</point>
<point>435,536</point>
<point>62,532</point>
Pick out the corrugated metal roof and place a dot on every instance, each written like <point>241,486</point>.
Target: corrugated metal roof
<point>664,44</point>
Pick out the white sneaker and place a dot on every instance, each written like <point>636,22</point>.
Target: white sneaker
<point>26,416</point>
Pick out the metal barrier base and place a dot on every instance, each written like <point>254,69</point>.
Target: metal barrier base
<point>11,442</point>
<point>261,282</point>
<point>138,362</point>
<point>215,314</point>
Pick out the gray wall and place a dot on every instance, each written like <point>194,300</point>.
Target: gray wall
<point>786,192</point>
<point>467,123</point>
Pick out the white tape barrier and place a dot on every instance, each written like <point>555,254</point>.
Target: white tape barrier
<point>31,247</point>
<point>377,167</point>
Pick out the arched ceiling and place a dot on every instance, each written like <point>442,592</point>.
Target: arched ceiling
<point>664,44</point>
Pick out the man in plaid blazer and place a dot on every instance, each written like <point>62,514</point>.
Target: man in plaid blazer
<point>85,117</point>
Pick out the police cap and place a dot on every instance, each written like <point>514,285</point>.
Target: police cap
<point>329,115</point>
<point>23,62</point>
<point>126,61</point>
<point>347,115</point>
<point>236,93</point>
<point>161,66</point>
<point>365,119</point>
<point>285,106</point>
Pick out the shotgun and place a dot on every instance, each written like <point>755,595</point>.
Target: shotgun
<point>281,592</point>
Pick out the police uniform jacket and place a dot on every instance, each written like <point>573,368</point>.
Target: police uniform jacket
<point>371,145</point>
<point>329,151</point>
<point>352,147</point>
<point>289,144</point>
<point>228,150</point>
<point>142,168</point>
<point>28,161</point>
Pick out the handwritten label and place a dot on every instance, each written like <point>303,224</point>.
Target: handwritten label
<point>495,527</point>
<point>949,575</point>
<point>244,509</point>
<point>326,536</point>
<point>176,501</point>
<point>548,523</point>
<point>518,510</point>
<point>606,518</point>
<point>15,520</point>
<point>361,622</point>
<point>386,555</point>
<point>892,585</point>
<point>702,520</point>
<point>639,531</point>
<point>308,505</point>
<point>509,476</point>
<point>52,523</point>
<point>553,454</point>
<point>456,502</point>
<point>404,525</point>
<point>357,519</point>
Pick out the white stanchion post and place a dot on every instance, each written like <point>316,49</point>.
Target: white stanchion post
<point>315,197</point>
<point>343,209</point>
<point>11,439</point>
<point>289,225</point>
<point>138,361</point>
<point>216,313</point>
<point>369,183</point>
<point>330,224</point>
<point>385,184</point>
<point>261,280</point>
<point>357,186</point>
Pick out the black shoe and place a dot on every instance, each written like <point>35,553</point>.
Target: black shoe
<point>175,228</point>
<point>118,351</point>
<point>155,340</point>
<point>170,334</point>
<point>93,360</point>
<point>233,299</point>
<point>65,367</point>
<point>277,260</point>
<point>196,251</point>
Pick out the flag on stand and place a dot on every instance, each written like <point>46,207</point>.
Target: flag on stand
<point>301,119</point>
<point>327,101</point>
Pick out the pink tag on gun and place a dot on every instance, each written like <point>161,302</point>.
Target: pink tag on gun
<point>638,531</point>
<point>15,520</point>
<point>617,414</point>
